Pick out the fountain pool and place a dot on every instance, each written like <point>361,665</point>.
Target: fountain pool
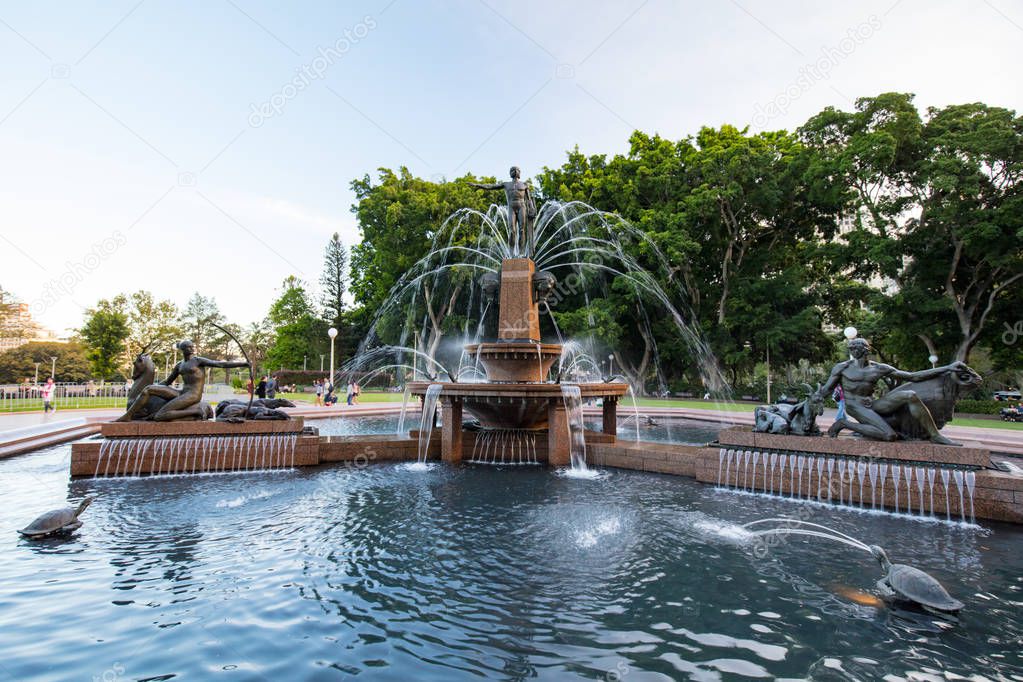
<point>667,430</point>
<point>474,572</point>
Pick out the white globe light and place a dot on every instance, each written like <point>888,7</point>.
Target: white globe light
<point>850,333</point>
<point>932,358</point>
<point>331,332</point>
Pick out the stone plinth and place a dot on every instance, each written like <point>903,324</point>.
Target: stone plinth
<point>906,451</point>
<point>519,316</point>
<point>145,429</point>
<point>193,454</point>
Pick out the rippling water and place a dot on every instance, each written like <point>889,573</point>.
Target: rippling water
<point>473,573</point>
<point>664,429</point>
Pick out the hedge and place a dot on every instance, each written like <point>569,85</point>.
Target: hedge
<point>981,406</point>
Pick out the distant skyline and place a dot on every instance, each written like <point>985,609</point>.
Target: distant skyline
<point>209,146</point>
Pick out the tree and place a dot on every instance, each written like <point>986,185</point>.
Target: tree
<point>936,211</point>
<point>401,217</point>
<point>297,331</point>
<point>11,320</point>
<point>197,321</point>
<point>105,332</point>
<point>19,363</point>
<point>334,281</point>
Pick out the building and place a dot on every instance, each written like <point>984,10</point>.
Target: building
<point>18,328</point>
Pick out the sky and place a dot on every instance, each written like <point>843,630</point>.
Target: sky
<point>209,145</point>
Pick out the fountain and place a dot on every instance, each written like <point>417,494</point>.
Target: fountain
<point>517,398</point>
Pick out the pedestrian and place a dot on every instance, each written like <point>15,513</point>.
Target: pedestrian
<point>355,385</point>
<point>271,387</point>
<point>90,388</point>
<point>350,392</point>
<point>48,390</point>
<point>318,388</point>
<point>839,397</point>
<point>261,388</point>
<point>249,388</point>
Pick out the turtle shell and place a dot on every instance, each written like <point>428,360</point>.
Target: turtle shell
<point>51,522</point>
<point>914,585</point>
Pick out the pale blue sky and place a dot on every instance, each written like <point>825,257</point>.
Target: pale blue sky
<point>132,121</point>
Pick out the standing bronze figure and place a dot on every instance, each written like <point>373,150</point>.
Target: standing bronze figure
<point>181,404</point>
<point>521,211</point>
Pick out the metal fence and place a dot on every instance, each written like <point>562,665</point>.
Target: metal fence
<point>28,397</point>
<point>68,396</point>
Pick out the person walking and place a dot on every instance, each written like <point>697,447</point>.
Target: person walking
<point>355,385</point>
<point>48,390</point>
<point>318,389</point>
<point>261,388</point>
<point>350,391</point>
<point>249,388</point>
<point>839,397</point>
<point>271,387</point>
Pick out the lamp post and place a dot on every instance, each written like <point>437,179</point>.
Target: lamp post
<point>37,374</point>
<point>933,359</point>
<point>305,361</point>
<point>53,367</point>
<point>332,333</point>
<point>610,365</point>
<point>321,362</point>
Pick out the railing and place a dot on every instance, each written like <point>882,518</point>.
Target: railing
<point>68,396</point>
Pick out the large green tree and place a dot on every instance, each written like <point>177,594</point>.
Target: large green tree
<point>298,332</point>
<point>935,216</point>
<point>20,363</point>
<point>105,334</point>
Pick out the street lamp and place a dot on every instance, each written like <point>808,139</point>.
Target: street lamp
<point>305,361</point>
<point>53,367</point>
<point>332,333</point>
<point>933,359</point>
<point>321,362</point>
<point>37,374</point>
<point>611,365</point>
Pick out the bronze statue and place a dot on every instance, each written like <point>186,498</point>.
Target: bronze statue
<point>797,420</point>
<point>180,404</point>
<point>903,412</point>
<point>233,410</point>
<point>521,210</point>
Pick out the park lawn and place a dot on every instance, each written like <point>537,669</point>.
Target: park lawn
<point>986,423</point>
<point>692,404</point>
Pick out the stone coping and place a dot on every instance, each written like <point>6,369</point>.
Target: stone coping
<point>973,455</point>
<point>200,428</point>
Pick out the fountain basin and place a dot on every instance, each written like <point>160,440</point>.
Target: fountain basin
<point>515,405</point>
<point>516,361</point>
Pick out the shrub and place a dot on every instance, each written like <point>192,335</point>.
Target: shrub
<point>980,406</point>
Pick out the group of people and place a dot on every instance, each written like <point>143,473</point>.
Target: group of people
<point>266,388</point>
<point>325,396</point>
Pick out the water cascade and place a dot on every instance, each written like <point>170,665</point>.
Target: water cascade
<point>739,469</point>
<point>427,420</point>
<point>176,455</point>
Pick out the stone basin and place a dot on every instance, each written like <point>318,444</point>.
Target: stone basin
<point>515,405</point>
<point>516,361</point>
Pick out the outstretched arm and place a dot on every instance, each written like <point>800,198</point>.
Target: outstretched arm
<point>487,185</point>
<point>925,374</point>
<point>221,364</point>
